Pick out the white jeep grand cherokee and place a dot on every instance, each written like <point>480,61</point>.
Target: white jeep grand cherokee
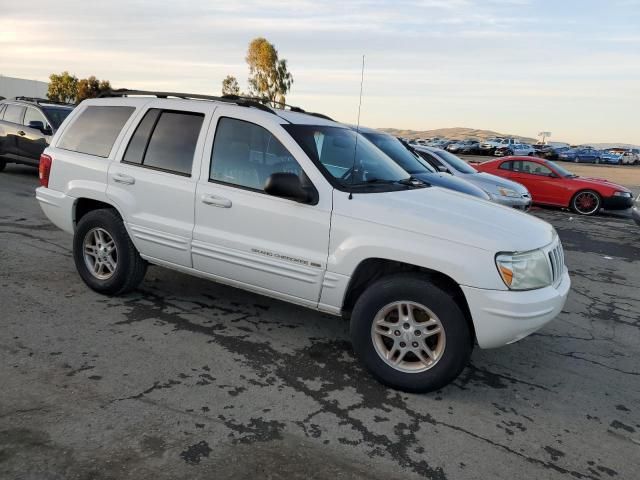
<point>300,208</point>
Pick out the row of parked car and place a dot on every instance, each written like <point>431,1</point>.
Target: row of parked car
<point>343,219</point>
<point>501,147</point>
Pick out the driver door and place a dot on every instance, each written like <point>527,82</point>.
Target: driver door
<point>251,239</point>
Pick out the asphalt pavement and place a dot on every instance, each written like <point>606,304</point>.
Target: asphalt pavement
<point>188,379</point>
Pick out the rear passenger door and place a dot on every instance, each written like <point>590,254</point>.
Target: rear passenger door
<point>154,182</point>
<point>11,128</point>
<point>264,243</point>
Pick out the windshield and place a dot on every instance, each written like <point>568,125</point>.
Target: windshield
<point>398,153</point>
<point>56,115</point>
<point>456,162</point>
<point>333,149</point>
<point>563,172</point>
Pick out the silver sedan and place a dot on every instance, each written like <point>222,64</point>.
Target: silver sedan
<point>505,192</point>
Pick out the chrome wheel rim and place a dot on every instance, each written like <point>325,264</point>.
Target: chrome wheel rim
<point>586,203</point>
<point>100,253</point>
<point>408,336</point>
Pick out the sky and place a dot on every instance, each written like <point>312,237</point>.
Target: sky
<point>571,67</point>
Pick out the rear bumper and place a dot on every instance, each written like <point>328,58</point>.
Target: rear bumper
<point>501,317</point>
<point>617,203</point>
<point>57,206</point>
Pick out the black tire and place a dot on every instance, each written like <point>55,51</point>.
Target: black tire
<point>581,209</point>
<point>3,164</point>
<point>415,288</point>
<point>130,267</point>
<point>508,153</point>
<point>597,161</point>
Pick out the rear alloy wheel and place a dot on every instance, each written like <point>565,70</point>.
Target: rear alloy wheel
<point>586,202</point>
<point>410,334</point>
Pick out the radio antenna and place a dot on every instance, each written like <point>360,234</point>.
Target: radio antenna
<point>355,148</point>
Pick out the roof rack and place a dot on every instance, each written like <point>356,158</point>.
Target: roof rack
<point>125,92</point>
<point>38,101</point>
<point>240,100</point>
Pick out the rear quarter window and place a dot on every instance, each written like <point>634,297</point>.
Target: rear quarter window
<point>14,114</point>
<point>95,130</point>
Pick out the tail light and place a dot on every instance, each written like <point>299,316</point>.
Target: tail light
<point>44,169</point>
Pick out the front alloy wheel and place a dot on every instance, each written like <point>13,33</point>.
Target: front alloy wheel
<point>586,203</point>
<point>408,336</point>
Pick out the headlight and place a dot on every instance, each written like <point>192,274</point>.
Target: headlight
<point>524,271</point>
<point>622,194</point>
<point>507,192</point>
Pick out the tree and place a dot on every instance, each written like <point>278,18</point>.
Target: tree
<point>230,86</point>
<point>62,87</point>
<point>91,88</point>
<point>269,77</point>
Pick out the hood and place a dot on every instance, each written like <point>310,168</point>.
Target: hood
<point>491,183</point>
<point>446,180</point>
<point>601,182</point>
<point>453,216</point>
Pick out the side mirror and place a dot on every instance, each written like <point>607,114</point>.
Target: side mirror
<point>289,186</point>
<point>38,125</point>
<point>554,175</point>
<point>443,169</point>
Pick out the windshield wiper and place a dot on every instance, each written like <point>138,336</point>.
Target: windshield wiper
<point>413,182</point>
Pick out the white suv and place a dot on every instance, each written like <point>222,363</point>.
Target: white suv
<point>289,205</point>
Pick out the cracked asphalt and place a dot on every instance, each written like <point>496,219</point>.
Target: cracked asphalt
<point>189,379</point>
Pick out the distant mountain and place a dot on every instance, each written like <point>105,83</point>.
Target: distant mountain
<point>477,134</point>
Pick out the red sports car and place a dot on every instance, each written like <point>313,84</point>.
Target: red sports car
<point>550,184</point>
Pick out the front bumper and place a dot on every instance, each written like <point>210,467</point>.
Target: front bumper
<point>617,203</point>
<point>520,203</point>
<point>57,206</point>
<point>501,317</point>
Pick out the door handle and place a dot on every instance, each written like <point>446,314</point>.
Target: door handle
<point>216,201</point>
<point>122,178</point>
<point>21,133</point>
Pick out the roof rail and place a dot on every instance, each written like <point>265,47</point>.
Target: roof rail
<point>248,102</point>
<point>38,101</point>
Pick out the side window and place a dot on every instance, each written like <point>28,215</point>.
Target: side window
<point>506,166</point>
<point>246,154</point>
<point>33,115</point>
<point>95,130</point>
<point>14,114</point>
<point>165,140</point>
<point>532,168</point>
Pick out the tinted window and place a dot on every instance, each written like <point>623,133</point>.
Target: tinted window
<point>95,130</point>
<point>33,115</point>
<point>506,166</point>
<point>138,144</point>
<point>531,168</point>
<point>13,113</point>
<point>56,115</point>
<point>456,162</point>
<point>397,152</point>
<point>173,142</point>
<point>245,154</point>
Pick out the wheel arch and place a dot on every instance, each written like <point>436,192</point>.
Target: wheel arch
<point>84,205</point>
<point>372,269</point>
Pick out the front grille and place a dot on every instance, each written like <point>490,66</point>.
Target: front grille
<point>556,257</point>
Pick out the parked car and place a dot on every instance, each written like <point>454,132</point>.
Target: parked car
<point>505,192</point>
<point>635,210</point>
<point>488,147</point>
<point>26,127</point>
<point>276,202</point>
<point>413,164</point>
<point>551,184</point>
<point>630,157</point>
<point>469,147</point>
<point>519,149</point>
<point>614,158</point>
<point>580,155</point>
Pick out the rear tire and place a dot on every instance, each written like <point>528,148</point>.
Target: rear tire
<point>392,334</point>
<point>586,202</point>
<point>105,257</point>
<point>3,164</point>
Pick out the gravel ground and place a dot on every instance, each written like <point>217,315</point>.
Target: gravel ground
<point>188,379</point>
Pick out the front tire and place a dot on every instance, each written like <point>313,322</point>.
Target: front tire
<point>586,202</point>
<point>105,257</point>
<point>410,334</point>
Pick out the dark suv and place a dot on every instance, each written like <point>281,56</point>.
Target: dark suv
<point>26,127</point>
